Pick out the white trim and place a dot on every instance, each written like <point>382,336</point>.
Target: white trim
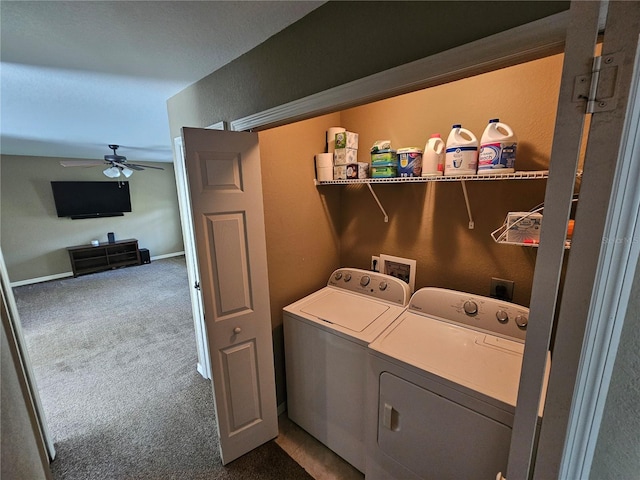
<point>282,408</point>
<point>46,278</point>
<point>221,125</point>
<point>616,269</point>
<point>168,255</point>
<point>58,276</point>
<point>526,42</point>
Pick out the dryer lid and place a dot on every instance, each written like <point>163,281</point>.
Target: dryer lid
<point>346,310</point>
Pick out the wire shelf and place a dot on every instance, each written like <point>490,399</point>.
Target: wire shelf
<point>524,175</point>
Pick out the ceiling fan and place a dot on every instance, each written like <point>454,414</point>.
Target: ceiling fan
<point>117,164</point>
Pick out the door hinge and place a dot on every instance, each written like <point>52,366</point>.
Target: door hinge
<point>598,88</point>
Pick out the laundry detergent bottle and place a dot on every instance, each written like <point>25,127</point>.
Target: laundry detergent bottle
<point>461,157</point>
<point>433,157</point>
<point>497,149</point>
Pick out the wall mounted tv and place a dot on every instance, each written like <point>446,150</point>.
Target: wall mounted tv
<point>91,199</point>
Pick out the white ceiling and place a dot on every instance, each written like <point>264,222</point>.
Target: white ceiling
<point>78,75</point>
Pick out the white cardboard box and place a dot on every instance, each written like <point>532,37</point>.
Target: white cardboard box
<point>523,227</point>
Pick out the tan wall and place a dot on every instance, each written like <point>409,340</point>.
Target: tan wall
<point>34,239</point>
<point>428,222</point>
<point>301,223</point>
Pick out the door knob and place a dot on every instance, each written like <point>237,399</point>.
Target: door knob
<point>237,330</point>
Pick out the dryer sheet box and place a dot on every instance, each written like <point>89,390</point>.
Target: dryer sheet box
<point>523,227</point>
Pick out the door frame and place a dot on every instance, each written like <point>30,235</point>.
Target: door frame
<point>24,371</point>
<point>191,258</point>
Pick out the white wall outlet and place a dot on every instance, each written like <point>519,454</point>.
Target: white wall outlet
<point>375,263</point>
<point>402,268</point>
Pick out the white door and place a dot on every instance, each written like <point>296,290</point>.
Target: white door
<point>191,259</point>
<point>225,183</point>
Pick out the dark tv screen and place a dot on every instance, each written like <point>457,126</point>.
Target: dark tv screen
<point>91,199</point>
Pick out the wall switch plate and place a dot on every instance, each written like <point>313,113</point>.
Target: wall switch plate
<point>501,289</point>
<point>375,263</point>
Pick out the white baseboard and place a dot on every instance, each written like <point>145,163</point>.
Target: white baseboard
<point>167,255</point>
<point>58,276</point>
<point>282,408</point>
<point>47,278</point>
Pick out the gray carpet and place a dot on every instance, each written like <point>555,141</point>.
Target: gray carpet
<point>114,356</point>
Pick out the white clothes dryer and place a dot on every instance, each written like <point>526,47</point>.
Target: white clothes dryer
<point>443,382</point>
<point>325,337</point>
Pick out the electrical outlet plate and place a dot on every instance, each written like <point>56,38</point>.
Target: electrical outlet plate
<point>375,263</point>
<point>501,289</point>
<point>402,268</point>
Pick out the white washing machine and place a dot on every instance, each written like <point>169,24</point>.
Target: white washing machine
<point>325,337</point>
<point>443,381</point>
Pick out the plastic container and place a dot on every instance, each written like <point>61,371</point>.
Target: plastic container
<point>461,157</point>
<point>409,162</point>
<point>433,157</point>
<point>497,149</point>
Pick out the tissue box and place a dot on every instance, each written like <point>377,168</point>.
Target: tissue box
<point>523,227</point>
<point>340,172</point>
<point>363,170</point>
<point>384,157</point>
<point>347,140</point>
<point>345,156</point>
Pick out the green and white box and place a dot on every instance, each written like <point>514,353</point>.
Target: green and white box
<point>347,140</point>
<point>345,156</point>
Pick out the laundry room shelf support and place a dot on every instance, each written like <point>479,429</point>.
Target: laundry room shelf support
<point>375,197</point>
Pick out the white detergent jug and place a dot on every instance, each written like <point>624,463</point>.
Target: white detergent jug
<point>433,157</point>
<point>497,149</point>
<point>461,157</point>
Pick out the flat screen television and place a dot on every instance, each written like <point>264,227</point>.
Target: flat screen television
<point>91,199</point>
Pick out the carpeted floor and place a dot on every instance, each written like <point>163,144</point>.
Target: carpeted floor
<point>114,356</point>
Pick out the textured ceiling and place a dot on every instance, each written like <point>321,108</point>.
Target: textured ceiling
<point>78,75</point>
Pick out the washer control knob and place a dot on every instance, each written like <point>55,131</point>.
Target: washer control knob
<point>502,316</point>
<point>383,286</point>
<point>522,321</point>
<point>338,275</point>
<point>237,330</point>
<point>364,281</point>
<point>347,277</point>
<point>470,307</point>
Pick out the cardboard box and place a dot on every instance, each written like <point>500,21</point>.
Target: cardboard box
<point>340,172</point>
<point>345,156</point>
<point>523,227</point>
<point>347,140</point>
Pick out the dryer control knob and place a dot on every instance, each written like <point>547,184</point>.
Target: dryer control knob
<point>382,286</point>
<point>522,321</point>
<point>470,307</point>
<point>364,281</point>
<point>347,277</point>
<point>502,316</point>
<point>338,275</point>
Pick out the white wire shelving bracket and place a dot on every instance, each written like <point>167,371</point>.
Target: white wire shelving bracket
<point>524,175</point>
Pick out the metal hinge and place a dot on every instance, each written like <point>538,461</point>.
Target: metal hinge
<point>598,88</point>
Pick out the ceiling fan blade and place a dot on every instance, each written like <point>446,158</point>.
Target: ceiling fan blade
<point>127,165</point>
<point>131,165</point>
<point>81,163</point>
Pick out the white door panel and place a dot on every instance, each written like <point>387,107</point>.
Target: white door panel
<point>226,196</point>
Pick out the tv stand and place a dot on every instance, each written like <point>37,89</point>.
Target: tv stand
<point>106,256</point>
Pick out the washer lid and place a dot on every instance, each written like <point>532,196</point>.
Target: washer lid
<point>349,311</point>
<point>484,363</point>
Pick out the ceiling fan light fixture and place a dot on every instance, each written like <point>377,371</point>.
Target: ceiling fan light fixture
<point>112,172</point>
<point>127,172</point>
